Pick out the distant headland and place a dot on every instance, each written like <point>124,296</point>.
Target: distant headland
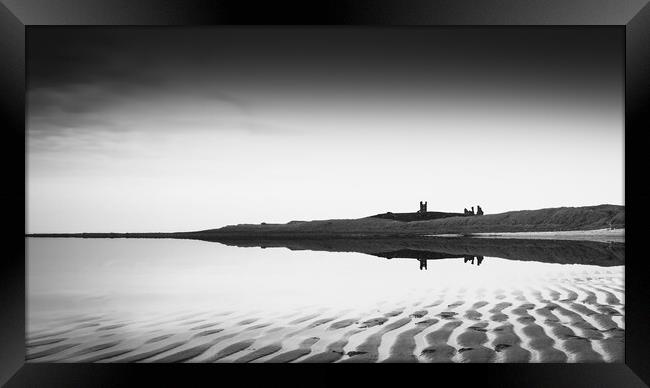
<point>582,221</point>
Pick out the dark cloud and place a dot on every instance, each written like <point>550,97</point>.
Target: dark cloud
<point>78,72</point>
<point>131,57</point>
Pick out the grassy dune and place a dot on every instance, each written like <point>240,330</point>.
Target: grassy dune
<point>553,219</point>
<point>542,220</point>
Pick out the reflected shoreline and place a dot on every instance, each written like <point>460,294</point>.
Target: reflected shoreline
<point>546,250</point>
<point>435,248</point>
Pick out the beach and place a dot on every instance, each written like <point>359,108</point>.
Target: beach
<point>602,235</point>
<point>564,314</point>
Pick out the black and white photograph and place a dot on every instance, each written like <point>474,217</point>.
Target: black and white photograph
<point>310,194</point>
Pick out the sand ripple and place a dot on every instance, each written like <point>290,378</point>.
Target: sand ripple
<point>577,319</point>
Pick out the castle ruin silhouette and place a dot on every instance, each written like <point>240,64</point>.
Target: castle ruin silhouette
<point>424,214</point>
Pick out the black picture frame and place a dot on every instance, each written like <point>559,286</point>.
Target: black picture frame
<point>632,16</point>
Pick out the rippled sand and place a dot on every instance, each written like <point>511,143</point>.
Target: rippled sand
<point>567,319</point>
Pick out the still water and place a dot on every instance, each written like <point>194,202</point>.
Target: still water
<point>83,292</point>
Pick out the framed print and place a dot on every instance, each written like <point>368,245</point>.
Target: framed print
<point>227,184</point>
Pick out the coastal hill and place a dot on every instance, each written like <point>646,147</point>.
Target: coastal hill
<point>542,220</point>
<point>584,218</point>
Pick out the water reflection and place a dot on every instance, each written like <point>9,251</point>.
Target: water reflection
<point>424,256</point>
<point>472,250</point>
<point>146,300</point>
<point>466,259</point>
<point>470,259</point>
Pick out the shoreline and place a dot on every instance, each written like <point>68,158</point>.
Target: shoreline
<point>598,235</point>
<point>601,235</point>
<point>581,223</point>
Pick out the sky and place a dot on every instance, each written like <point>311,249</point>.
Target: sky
<point>174,129</point>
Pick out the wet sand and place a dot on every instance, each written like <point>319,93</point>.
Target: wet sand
<point>602,235</point>
<point>563,319</point>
